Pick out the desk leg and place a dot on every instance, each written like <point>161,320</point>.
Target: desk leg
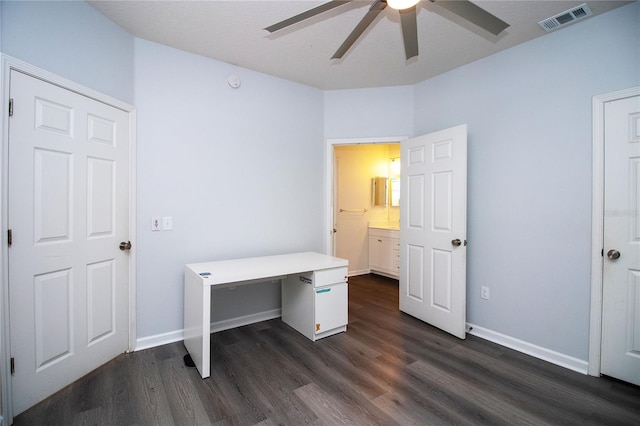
<point>197,318</point>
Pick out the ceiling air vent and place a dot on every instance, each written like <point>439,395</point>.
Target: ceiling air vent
<point>566,17</point>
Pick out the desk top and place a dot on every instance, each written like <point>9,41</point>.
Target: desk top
<point>254,268</point>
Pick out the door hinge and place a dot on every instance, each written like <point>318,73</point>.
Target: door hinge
<point>13,365</point>
<point>10,107</point>
<point>9,237</point>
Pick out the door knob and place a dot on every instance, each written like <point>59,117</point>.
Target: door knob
<point>613,254</point>
<point>456,242</point>
<point>125,246</point>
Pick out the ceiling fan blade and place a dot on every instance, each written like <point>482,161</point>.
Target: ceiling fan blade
<point>375,9</point>
<point>475,14</point>
<point>306,15</point>
<point>409,24</point>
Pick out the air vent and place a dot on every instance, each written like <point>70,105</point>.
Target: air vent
<point>566,17</point>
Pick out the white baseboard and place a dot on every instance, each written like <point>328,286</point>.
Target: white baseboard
<point>566,361</point>
<point>245,320</point>
<point>159,339</point>
<point>358,272</point>
<point>178,335</point>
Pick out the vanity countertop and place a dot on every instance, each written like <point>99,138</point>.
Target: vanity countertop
<point>391,226</point>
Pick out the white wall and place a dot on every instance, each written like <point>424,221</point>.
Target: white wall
<point>71,39</point>
<point>239,170</point>
<point>529,171</point>
<point>361,113</point>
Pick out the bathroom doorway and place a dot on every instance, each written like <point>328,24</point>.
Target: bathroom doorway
<point>357,168</point>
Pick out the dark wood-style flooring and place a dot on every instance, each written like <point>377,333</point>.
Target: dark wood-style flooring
<point>388,368</point>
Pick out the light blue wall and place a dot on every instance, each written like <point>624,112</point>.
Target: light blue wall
<point>239,170</point>
<point>528,111</point>
<point>71,39</point>
<point>379,112</point>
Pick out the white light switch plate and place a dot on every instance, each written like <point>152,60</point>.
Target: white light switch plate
<point>167,223</point>
<point>156,222</point>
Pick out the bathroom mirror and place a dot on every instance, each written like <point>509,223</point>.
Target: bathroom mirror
<point>379,191</point>
<point>394,190</point>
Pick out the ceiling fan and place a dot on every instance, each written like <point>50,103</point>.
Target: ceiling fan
<point>407,9</point>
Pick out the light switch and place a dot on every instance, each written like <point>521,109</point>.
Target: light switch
<point>155,223</point>
<point>167,223</point>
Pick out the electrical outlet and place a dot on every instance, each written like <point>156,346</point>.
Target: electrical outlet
<point>484,293</point>
<point>155,223</point>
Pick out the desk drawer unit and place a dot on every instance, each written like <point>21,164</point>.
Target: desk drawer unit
<point>316,303</point>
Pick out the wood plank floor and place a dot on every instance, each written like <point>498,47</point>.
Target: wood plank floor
<point>388,368</point>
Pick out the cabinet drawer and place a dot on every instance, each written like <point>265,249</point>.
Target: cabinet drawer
<point>330,276</point>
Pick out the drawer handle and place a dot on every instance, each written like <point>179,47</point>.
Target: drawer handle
<point>379,241</point>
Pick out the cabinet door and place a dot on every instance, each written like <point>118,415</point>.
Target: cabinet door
<point>381,253</point>
<point>331,305</point>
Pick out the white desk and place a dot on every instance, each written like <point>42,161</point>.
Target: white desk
<point>314,270</point>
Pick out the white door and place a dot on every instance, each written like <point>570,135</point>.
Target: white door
<point>433,229</point>
<point>68,212</point>
<point>621,274</point>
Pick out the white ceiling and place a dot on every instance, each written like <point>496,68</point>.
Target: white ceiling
<point>232,31</point>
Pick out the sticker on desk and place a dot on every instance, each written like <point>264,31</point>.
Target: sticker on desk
<point>305,280</point>
<point>324,290</point>
<point>205,274</point>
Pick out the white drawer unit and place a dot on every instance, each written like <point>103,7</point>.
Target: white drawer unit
<point>316,303</point>
<point>384,252</point>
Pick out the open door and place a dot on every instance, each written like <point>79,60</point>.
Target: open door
<point>433,228</point>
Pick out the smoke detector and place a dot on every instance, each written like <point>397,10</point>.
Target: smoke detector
<point>565,18</point>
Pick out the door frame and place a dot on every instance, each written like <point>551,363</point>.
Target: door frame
<point>12,64</point>
<point>330,179</point>
<point>597,223</point>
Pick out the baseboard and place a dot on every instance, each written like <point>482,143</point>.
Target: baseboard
<point>359,272</point>
<point>245,320</point>
<point>159,339</point>
<point>566,361</point>
<point>178,335</point>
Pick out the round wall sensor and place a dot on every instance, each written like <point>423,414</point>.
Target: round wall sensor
<point>234,81</point>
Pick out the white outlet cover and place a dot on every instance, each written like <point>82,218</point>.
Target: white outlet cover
<point>156,223</point>
<point>167,223</point>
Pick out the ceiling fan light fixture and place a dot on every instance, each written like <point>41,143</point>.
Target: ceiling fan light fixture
<point>402,4</point>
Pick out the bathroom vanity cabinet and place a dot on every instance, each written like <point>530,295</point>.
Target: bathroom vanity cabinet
<point>384,252</point>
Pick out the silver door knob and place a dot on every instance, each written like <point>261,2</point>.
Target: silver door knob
<point>613,254</point>
<point>125,246</point>
<point>456,242</point>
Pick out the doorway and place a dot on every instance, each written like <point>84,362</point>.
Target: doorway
<point>70,131</point>
<point>355,164</point>
<point>605,257</point>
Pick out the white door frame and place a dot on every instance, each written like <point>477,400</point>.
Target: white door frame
<point>329,176</point>
<point>597,223</point>
<point>9,63</point>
